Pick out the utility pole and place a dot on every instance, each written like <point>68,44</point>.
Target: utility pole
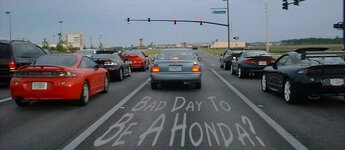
<point>228,19</point>
<point>9,19</point>
<point>343,25</point>
<point>267,33</point>
<point>91,43</point>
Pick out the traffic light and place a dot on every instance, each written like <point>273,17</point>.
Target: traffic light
<point>128,20</point>
<point>149,20</point>
<point>285,5</point>
<point>296,2</point>
<point>236,37</point>
<point>201,21</point>
<point>175,19</point>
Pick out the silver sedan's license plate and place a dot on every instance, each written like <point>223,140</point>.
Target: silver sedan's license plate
<point>175,68</point>
<point>39,85</point>
<point>336,81</point>
<point>262,63</point>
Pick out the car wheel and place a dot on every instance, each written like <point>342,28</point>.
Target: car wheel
<point>120,75</point>
<point>226,66</point>
<point>232,71</point>
<point>198,85</point>
<point>241,72</point>
<point>106,84</point>
<point>21,102</point>
<point>290,96</point>
<point>84,98</point>
<point>154,85</point>
<point>264,83</point>
<point>129,71</point>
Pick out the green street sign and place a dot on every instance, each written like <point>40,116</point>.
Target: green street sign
<point>218,12</point>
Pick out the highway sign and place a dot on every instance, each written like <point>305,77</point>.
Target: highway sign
<point>218,12</point>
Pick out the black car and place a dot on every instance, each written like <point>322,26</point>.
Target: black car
<point>14,54</point>
<point>116,67</point>
<point>250,62</point>
<point>306,73</point>
<point>225,59</point>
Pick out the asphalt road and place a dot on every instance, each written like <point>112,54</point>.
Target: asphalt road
<point>226,113</point>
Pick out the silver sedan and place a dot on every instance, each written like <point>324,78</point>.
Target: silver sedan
<point>176,66</point>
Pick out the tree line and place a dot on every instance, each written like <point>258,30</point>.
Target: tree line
<point>312,41</point>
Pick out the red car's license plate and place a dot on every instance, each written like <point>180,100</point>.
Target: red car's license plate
<point>39,85</point>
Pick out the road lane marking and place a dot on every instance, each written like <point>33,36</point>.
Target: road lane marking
<point>286,135</point>
<point>86,133</point>
<point>5,99</point>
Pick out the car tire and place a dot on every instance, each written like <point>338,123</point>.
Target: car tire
<point>129,71</point>
<point>120,74</point>
<point>264,86</point>
<point>22,103</point>
<point>198,85</point>
<point>85,94</point>
<point>106,84</point>
<point>154,85</point>
<point>241,72</point>
<point>232,71</point>
<point>290,96</point>
<point>226,67</point>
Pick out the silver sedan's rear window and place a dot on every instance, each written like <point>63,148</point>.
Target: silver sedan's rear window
<point>176,55</point>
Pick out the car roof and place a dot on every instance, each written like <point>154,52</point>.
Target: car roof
<point>168,49</point>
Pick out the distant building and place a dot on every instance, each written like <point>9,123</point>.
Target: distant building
<point>75,39</point>
<point>225,44</point>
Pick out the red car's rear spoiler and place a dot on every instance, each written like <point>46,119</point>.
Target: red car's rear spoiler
<point>40,67</point>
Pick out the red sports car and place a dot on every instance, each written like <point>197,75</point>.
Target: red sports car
<point>139,59</point>
<point>59,77</point>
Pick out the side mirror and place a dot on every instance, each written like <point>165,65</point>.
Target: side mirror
<point>146,56</point>
<point>221,54</point>
<point>199,59</point>
<point>274,66</point>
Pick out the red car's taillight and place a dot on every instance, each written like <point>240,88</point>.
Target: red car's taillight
<point>12,65</point>
<point>155,68</point>
<point>196,68</point>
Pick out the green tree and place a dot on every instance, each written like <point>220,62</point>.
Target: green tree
<point>71,48</point>
<point>59,47</point>
<point>45,44</point>
<point>92,47</point>
<point>84,47</point>
<point>101,45</point>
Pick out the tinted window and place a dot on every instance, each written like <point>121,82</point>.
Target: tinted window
<point>59,60</point>
<point>87,63</point>
<point>27,51</point>
<point>133,53</point>
<point>176,55</point>
<point>282,61</point>
<point>4,51</point>
<point>85,52</point>
<point>257,53</point>
<point>107,56</point>
<point>321,60</point>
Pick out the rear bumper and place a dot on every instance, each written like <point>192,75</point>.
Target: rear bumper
<point>317,89</point>
<point>254,69</point>
<point>175,77</point>
<point>137,65</point>
<point>71,90</point>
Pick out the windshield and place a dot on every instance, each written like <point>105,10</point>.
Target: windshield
<point>59,60</point>
<point>323,60</point>
<point>176,55</point>
<point>256,53</point>
<point>107,56</point>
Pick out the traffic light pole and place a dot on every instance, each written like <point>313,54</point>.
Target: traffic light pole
<point>193,21</point>
<point>228,19</point>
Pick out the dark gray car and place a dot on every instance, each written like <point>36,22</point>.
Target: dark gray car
<point>225,59</point>
<point>176,66</point>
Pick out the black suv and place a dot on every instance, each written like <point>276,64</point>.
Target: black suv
<point>14,54</point>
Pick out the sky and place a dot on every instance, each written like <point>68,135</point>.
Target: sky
<point>104,20</point>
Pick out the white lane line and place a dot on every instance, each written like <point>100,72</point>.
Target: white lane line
<point>5,99</point>
<point>286,135</point>
<point>79,139</point>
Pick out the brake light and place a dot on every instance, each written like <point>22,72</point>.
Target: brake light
<point>250,61</point>
<point>272,60</point>
<point>174,58</point>
<point>231,57</point>
<point>311,71</point>
<point>155,68</point>
<point>109,63</point>
<point>12,65</point>
<point>196,68</point>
